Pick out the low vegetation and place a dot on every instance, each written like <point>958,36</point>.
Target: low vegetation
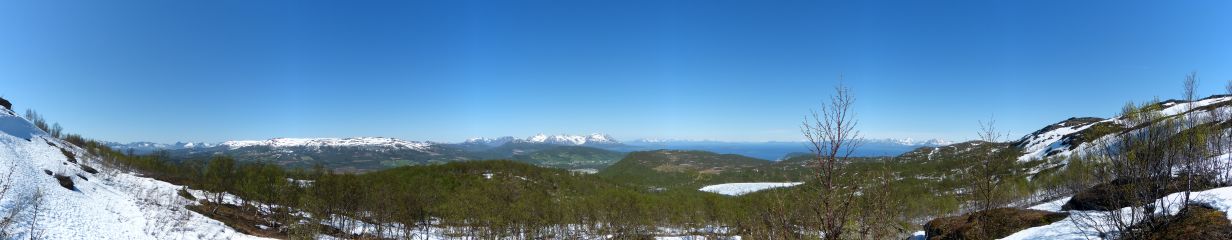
<point>1122,193</point>
<point>1195,221</point>
<point>989,224</point>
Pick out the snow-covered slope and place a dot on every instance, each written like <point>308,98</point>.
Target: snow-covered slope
<point>361,142</point>
<point>108,204</point>
<point>1059,140</point>
<point>1050,141</point>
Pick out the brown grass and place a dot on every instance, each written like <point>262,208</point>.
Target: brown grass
<point>991,224</point>
<point>1118,193</point>
<point>241,220</point>
<point>1196,222</point>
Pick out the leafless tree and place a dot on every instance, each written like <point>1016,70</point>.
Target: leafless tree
<point>1193,144</point>
<point>991,170</point>
<point>833,138</point>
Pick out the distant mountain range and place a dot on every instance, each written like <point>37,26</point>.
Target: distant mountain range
<point>594,139</point>
<point>593,151</point>
<point>147,147</point>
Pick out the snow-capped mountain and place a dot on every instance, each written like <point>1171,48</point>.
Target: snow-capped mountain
<point>562,139</point>
<point>490,142</point>
<point>56,190</point>
<point>358,142</point>
<point>575,140</point>
<point>147,147</point>
<point>912,142</point>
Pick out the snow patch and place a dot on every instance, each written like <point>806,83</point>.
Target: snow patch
<point>736,189</point>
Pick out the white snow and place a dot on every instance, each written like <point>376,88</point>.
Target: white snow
<point>1174,109</point>
<point>919,235</point>
<point>368,142</point>
<point>1038,146</point>
<point>737,189</point>
<point>1051,206</point>
<point>109,205</point>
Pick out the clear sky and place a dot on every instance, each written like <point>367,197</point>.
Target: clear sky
<point>723,70</point>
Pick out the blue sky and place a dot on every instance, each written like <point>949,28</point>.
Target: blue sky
<point>724,70</point>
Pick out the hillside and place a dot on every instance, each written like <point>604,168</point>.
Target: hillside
<point>687,169</point>
<point>53,189</point>
<point>1066,158</point>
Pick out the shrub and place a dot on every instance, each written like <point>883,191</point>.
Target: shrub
<point>66,182</point>
<point>185,194</point>
<point>88,169</point>
<point>6,103</point>
<point>69,155</point>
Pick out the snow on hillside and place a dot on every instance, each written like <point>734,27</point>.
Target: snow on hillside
<point>1068,228</point>
<point>108,204</point>
<point>363,142</point>
<point>1174,108</point>
<point>737,189</point>
<point>1046,144</point>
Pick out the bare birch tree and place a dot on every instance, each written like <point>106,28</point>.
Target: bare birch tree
<point>833,138</point>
